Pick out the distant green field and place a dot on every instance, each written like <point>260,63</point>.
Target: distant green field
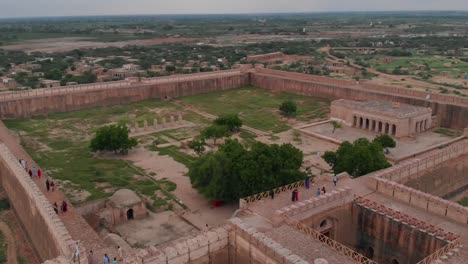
<point>438,64</point>
<point>258,108</point>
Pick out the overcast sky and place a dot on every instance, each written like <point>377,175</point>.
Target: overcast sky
<point>36,8</point>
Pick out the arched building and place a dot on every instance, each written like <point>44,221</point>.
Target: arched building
<point>395,119</point>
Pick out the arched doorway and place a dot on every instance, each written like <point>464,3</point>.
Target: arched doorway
<point>393,130</point>
<point>130,214</point>
<point>355,122</point>
<point>367,123</point>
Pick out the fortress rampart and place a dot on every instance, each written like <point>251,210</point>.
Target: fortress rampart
<point>43,102</point>
<point>45,230</point>
<point>452,111</point>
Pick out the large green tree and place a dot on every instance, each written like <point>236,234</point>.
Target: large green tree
<point>112,138</point>
<point>358,158</point>
<point>215,132</point>
<point>232,122</point>
<point>288,108</point>
<point>385,141</point>
<point>236,171</point>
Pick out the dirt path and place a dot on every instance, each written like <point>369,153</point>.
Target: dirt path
<point>5,229</point>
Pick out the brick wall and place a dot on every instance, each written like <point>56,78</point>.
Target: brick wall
<point>45,230</point>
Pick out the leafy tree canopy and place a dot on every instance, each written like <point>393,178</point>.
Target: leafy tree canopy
<point>358,158</point>
<point>214,132</point>
<point>198,145</point>
<point>288,108</point>
<point>385,141</point>
<point>112,138</point>
<point>232,122</point>
<point>235,171</point>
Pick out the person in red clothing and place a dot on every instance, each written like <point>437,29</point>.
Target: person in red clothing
<point>64,206</point>
<point>297,195</point>
<point>39,173</point>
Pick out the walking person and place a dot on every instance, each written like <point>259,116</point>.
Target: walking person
<point>39,173</point>
<point>34,171</point>
<point>30,173</point>
<point>297,195</point>
<point>64,206</point>
<point>52,185</point>
<point>91,257</point>
<point>106,259</point>
<point>115,261</point>
<point>56,208</point>
<point>307,183</point>
<point>293,197</point>
<point>323,190</point>
<point>335,179</point>
<point>76,253</point>
<point>317,193</point>
<point>120,250</point>
<point>47,183</point>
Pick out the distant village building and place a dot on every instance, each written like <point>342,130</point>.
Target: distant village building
<point>395,119</point>
<point>9,83</point>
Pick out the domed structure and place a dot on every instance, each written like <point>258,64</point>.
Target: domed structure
<point>126,205</point>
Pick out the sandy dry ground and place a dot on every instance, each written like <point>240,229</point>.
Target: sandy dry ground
<point>404,146</point>
<point>71,43</point>
<point>201,212</point>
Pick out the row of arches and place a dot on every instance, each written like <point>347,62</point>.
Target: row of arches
<point>374,125</point>
<point>421,126</point>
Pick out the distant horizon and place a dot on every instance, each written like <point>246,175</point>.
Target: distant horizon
<point>52,8</point>
<point>237,14</point>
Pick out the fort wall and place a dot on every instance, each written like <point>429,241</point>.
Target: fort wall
<point>45,230</point>
<point>70,99</point>
<point>452,111</point>
<point>376,236</point>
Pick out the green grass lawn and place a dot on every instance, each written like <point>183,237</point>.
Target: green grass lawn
<point>59,143</point>
<point>464,201</point>
<point>258,108</point>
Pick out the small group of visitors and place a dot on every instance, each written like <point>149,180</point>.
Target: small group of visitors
<point>107,259</point>
<point>63,207</point>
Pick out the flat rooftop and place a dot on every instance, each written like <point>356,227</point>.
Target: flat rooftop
<point>390,109</point>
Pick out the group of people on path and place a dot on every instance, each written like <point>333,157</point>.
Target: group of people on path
<point>318,192</point>
<point>107,259</point>
<point>63,207</point>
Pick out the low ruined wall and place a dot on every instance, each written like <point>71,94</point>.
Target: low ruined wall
<point>81,98</point>
<point>451,111</point>
<point>45,230</point>
<point>389,239</point>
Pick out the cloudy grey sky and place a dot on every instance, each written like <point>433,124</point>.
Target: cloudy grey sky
<point>28,8</point>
